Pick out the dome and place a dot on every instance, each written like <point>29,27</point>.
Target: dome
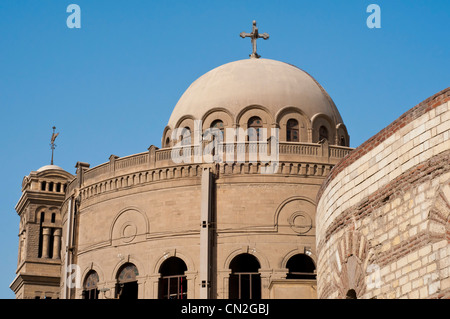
<point>49,167</point>
<point>271,84</point>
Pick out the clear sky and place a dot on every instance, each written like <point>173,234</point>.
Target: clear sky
<point>110,86</point>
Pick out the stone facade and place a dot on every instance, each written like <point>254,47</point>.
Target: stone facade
<point>370,223</point>
<point>383,212</point>
<point>132,213</point>
<point>147,226</point>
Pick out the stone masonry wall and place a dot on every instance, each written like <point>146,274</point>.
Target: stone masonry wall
<point>383,212</point>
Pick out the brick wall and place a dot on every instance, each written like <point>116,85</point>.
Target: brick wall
<point>382,215</point>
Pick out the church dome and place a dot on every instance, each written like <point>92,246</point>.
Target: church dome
<point>49,167</point>
<point>271,84</point>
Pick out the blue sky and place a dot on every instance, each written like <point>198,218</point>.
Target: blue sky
<point>110,86</point>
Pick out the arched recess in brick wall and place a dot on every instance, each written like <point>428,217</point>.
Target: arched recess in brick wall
<point>439,215</point>
<point>349,264</point>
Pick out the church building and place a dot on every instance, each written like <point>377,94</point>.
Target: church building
<point>252,193</point>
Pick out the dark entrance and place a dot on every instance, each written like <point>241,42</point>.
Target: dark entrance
<point>127,286</point>
<point>351,294</point>
<point>173,283</point>
<point>301,266</point>
<point>90,290</point>
<point>245,280</point>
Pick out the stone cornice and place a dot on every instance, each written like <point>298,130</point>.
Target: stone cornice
<point>39,197</point>
<point>192,172</point>
<point>22,279</point>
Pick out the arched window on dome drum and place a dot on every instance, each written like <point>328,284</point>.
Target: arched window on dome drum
<point>167,142</point>
<point>127,286</point>
<point>217,124</point>
<point>245,280</point>
<point>292,131</point>
<point>90,286</point>
<point>301,266</point>
<point>254,126</point>
<point>323,133</point>
<point>185,138</point>
<point>342,141</point>
<point>173,282</point>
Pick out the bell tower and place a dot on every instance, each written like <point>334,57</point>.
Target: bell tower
<point>39,257</point>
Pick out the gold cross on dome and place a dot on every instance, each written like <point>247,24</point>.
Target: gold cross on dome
<point>254,35</point>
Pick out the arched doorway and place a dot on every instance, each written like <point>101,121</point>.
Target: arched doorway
<point>245,280</point>
<point>90,290</point>
<point>301,266</point>
<point>351,294</point>
<point>173,282</point>
<point>127,286</point>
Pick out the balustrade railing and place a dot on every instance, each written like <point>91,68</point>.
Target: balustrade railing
<point>163,157</point>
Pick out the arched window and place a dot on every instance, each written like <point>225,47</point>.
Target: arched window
<point>323,133</point>
<point>90,289</point>
<point>245,280</point>
<point>173,283</point>
<point>217,124</point>
<point>50,186</point>
<point>292,131</point>
<point>254,125</point>
<point>342,141</point>
<point>127,286</point>
<point>185,138</point>
<point>300,266</point>
<point>167,143</point>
